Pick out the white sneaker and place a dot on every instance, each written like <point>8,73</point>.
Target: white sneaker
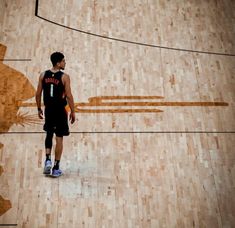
<point>47,167</point>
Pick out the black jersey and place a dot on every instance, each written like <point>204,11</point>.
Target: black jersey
<point>53,89</point>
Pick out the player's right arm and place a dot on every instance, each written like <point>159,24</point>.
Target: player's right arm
<point>39,95</point>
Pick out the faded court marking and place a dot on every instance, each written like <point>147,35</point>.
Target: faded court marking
<point>146,106</point>
<point>123,106</point>
<point>14,89</point>
<point>5,205</point>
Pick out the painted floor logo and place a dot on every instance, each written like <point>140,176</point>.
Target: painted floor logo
<point>134,104</point>
<point>15,88</point>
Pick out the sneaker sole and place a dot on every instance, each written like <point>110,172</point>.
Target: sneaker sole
<point>55,176</point>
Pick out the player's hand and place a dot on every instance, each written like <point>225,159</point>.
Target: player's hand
<point>72,117</point>
<point>40,114</point>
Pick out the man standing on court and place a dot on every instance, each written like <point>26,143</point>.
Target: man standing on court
<point>55,85</point>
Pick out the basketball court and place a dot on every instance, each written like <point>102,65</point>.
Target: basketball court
<point>154,90</point>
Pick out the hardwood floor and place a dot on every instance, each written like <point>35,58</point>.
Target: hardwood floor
<point>154,137</point>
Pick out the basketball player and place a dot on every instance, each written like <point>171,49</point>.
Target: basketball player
<point>55,85</point>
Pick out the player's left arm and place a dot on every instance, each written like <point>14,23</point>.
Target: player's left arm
<point>69,96</point>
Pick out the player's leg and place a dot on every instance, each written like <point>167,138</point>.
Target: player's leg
<point>49,128</point>
<point>62,129</point>
<point>56,172</point>
<point>59,147</point>
<point>48,147</point>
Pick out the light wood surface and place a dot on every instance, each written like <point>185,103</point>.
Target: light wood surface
<point>154,137</point>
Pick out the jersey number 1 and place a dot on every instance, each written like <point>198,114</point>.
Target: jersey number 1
<point>52,90</point>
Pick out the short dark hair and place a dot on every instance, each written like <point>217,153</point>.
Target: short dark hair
<point>56,57</point>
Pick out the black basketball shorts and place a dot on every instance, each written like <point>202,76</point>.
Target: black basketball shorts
<point>56,121</point>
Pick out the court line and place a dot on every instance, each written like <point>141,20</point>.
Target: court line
<point>130,132</point>
<point>23,60</point>
<point>127,41</point>
<point>8,224</point>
